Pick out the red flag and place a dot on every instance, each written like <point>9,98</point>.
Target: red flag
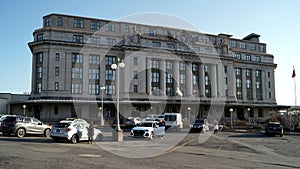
<point>294,73</point>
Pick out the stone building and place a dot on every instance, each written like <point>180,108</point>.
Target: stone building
<point>166,70</point>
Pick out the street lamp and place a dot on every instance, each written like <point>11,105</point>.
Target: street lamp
<point>102,88</point>
<point>189,111</point>
<point>231,110</point>
<point>249,115</point>
<point>24,107</point>
<point>119,136</point>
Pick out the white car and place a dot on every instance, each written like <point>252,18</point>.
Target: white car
<point>72,130</point>
<point>148,129</point>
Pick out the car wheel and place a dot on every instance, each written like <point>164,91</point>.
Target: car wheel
<point>74,139</point>
<point>21,132</point>
<point>47,133</point>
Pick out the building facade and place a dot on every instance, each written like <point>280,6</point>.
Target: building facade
<point>166,70</point>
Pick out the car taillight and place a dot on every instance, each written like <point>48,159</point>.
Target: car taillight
<point>13,122</point>
<point>67,129</point>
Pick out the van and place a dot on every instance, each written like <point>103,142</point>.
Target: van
<point>154,117</point>
<point>173,120</point>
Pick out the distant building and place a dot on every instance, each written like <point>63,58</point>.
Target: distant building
<point>166,70</point>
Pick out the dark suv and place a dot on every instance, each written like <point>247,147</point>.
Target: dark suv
<point>274,128</point>
<point>21,126</point>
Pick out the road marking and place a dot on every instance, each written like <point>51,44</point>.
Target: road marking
<point>90,155</point>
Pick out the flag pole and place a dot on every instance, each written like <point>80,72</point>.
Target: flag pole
<point>295,92</point>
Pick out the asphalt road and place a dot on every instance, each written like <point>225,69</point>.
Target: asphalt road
<point>222,150</point>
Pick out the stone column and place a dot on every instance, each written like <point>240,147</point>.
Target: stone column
<point>149,76</point>
<point>189,82</point>
<point>253,85</point>
<point>176,75</point>
<point>202,80</point>
<point>162,65</point>
<point>213,80</point>
<point>244,87</point>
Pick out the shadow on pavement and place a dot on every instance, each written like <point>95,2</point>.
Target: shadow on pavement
<point>248,135</point>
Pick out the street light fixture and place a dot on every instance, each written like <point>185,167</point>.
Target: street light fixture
<point>119,136</point>
<point>189,111</point>
<point>249,115</point>
<point>231,110</point>
<point>24,107</point>
<point>102,88</point>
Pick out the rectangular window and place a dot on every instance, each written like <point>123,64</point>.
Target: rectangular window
<point>110,27</point>
<point>238,71</point>
<point>155,44</point>
<point>152,32</point>
<point>94,74</point>
<point>57,56</point>
<point>59,21</point>
<point>252,47</point>
<point>169,65</point>
<point>47,22</point>
<point>269,84</point>
<point>94,59</point>
<point>126,28</point>
<point>76,88</point>
<point>195,80</point>
<point>233,43</point>
<point>135,61</point>
<point>39,87</point>
<point>76,73</point>
<point>95,40</point>
<point>155,64</point>
<point>109,89</point>
<point>40,57</point>
<point>248,57</point>
<point>238,56</point>
<point>242,45</point>
<point>248,72</point>
<point>94,89</point>
<point>135,88</point>
<point>269,74</point>
<point>257,59</point>
<point>258,73</point>
<point>238,83</point>
<point>155,90</point>
<point>270,95</point>
<point>56,71</point>
<point>95,25</point>
<point>78,38</point>
<point>135,75</point>
<point>258,85</point>
<point>109,60</point>
<point>56,86</point>
<point>181,66</point>
<point>110,74</point>
<point>225,69</point>
<point>155,77</point>
<point>248,84</point>
<point>77,58</point>
<point>262,48</point>
<point>169,78</point>
<point>182,78</point>
<point>39,72</point>
<point>78,23</point>
<point>40,37</point>
<point>170,91</point>
<point>195,67</point>
<point>111,42</point>
<point>170,46</point>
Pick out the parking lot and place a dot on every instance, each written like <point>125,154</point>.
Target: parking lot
<point>206,150</point>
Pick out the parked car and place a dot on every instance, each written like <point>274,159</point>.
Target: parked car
<point>274,128</point>
<point>132,122</point>
<point>148,129</point>
<point>200,125</point>
<point>73,130</point>
<point>21,126</point>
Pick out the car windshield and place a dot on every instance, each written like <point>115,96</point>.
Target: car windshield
<point>274,125</point>
<point>146,124</point>
<point>199,121</point>
<point>61,125</point>
<point>9,119</point>
<point>170,117</point>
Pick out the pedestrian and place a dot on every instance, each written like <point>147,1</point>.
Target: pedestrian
<point>91,133</point>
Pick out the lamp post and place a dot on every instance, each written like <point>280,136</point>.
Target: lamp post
<point>249,115</point>
<point>24,107</point>
<point>102,88</point>
<point>189,111</point>
<point>231,110</point>
<point>118,134</point>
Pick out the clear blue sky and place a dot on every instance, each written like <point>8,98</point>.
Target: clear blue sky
<point>276,21</point>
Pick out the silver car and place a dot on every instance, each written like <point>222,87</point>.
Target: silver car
<point>21,126</point>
